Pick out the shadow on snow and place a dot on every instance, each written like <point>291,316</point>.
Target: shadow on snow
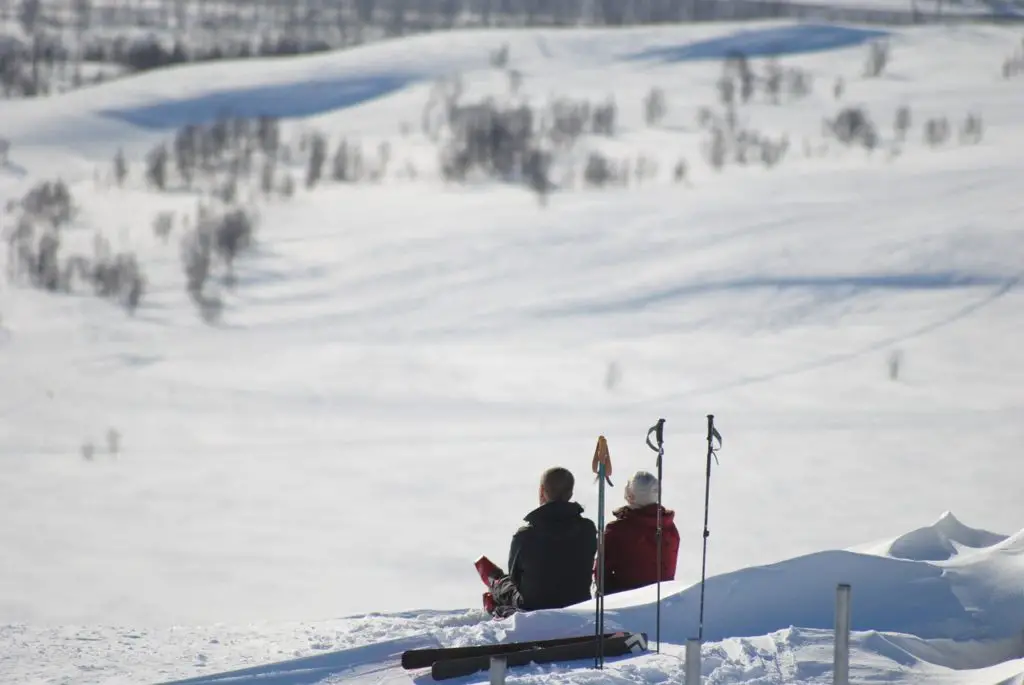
<point>284,100</point>
<point>845,285</point>
<point>359,661</point>
<point>777,41</point>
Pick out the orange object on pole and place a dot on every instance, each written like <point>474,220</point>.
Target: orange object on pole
<point>602,456</point>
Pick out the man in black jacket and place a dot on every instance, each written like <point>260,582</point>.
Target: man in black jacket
<point>551,559</point>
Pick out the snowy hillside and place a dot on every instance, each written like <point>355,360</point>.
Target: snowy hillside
<point>239,395</point>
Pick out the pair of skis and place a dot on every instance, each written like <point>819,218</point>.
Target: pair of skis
<point>456,662</point>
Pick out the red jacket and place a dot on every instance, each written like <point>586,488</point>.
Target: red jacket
<point>631,548</point>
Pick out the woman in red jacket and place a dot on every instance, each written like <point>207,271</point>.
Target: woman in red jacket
<point>631,543</point>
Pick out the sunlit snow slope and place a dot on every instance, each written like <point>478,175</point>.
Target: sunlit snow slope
<point>399,360</point>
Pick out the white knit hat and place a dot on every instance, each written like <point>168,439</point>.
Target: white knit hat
<point>644,488</point>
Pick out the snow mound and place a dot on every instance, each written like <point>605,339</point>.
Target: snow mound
<point>942,540</point>
<point>977,597</point>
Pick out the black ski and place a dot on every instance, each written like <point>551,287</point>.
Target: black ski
<point>618,644</point>
<point>421,658</point>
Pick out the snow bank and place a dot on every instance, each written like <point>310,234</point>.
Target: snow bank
<point>942,540</point>
<point>978,598</point>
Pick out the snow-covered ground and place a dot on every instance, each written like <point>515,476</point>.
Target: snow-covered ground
<point>918,617</point>
<point>398,361</point>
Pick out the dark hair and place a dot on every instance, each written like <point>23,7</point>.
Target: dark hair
<point>557,483</point>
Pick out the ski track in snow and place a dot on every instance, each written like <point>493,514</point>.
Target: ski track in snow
<point>436,347</point>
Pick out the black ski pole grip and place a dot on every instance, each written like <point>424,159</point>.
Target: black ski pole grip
<point>712,431</point>
<point>713,435</point>
<point>658,430</point>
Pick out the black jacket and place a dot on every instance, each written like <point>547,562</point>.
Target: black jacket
<point>551,560</point>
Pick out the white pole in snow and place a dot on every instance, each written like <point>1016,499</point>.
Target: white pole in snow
<point>841,659</point>
<point>498,665</point>
<point>693,661</point>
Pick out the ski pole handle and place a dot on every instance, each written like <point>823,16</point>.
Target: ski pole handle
<point>713,435</point>
<point>658,431</point>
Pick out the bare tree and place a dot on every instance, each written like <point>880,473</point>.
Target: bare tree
<point>877,59</point>
<point>655,106</point>
<point>120,168</point>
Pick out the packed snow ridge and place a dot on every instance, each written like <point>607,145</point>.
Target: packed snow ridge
<point>339,395</point>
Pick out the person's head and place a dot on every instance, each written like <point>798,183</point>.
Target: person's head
<point>556,485</point>
<point>641,490</point>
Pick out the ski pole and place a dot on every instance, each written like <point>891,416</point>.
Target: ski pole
<point>712,435</point>
<point>599,628</point>
<point>658,431</point>
<point>602,466</point>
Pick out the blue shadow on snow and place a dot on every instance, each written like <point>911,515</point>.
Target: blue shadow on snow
<point>850,285</point>
<point>284,100</point>
<point>778,41</point>
<point>1004,9</point>
<point>371,661</point>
